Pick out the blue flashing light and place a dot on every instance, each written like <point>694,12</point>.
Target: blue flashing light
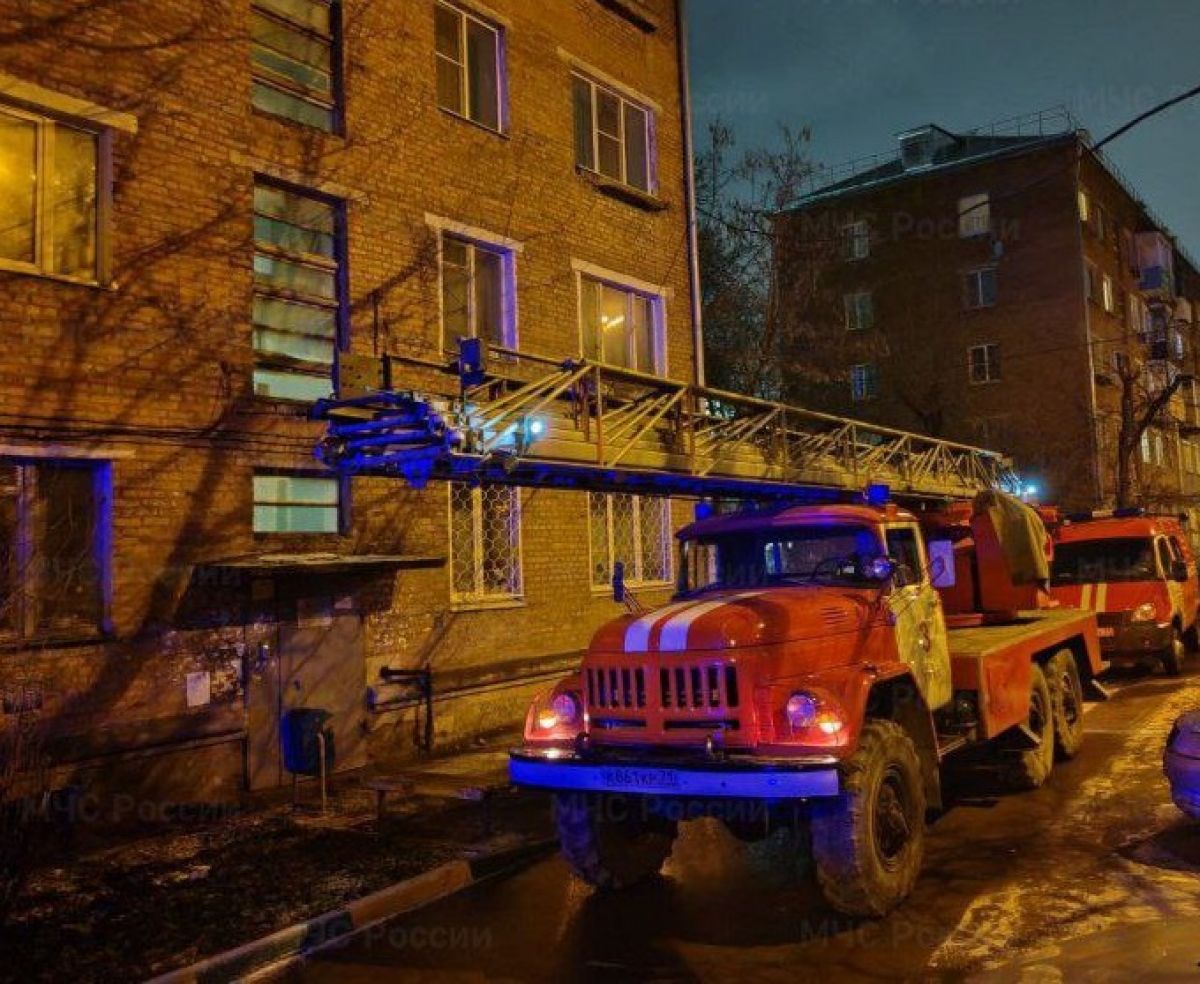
<point>535,427</point>
<point>878,494</point>
<point>703,510</point>
<point>1030,490</point>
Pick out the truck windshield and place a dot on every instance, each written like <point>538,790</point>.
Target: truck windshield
<point>1116,559</point>
<point>798,554</point>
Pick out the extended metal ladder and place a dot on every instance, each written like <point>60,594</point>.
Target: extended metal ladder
<point>577,424</point>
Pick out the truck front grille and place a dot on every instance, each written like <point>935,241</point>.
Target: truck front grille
<point>693,694</point>
<point>613,687</point>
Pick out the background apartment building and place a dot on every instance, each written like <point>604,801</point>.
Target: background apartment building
<point>1006,288</point>
<point>206,207</point>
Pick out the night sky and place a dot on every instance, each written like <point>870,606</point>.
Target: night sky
<point>858,71</point>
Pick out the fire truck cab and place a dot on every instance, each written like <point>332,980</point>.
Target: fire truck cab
<point>1138,574</point>
<point>816,669</point>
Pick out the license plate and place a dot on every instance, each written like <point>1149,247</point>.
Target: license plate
<point>1106,632</point>
<point>621,778</point>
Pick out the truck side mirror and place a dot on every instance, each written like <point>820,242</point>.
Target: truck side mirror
<point>618,582</point>
<point>1179,571</point>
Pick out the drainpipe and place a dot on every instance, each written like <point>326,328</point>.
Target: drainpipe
<point>1089,349</point>
<point>689,179</point>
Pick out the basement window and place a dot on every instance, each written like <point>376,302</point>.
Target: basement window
<point>50,196</point>
<point>485,543</point>
<point>295,57</point>
<point>289,502</point>
<point>55,548</point>
<point>631,529</point>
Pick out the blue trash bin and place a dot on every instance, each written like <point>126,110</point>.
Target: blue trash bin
<point>302,735</point>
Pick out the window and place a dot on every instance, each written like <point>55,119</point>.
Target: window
<point>979,288</point>
<point>477,292</point>
<point>860,310</point>
<point>296,61</point>
<point>469,76</point>
<point>856,241</point>
<point>1091,278</point>
<point>54,548</point>
<point>904,548</point>
<point>612,135</point>
<point>286,502</point>
<point>620,326</point>
<point>631,529</point>
<point>1129,253</point>
<point>485,543</point>
<point>974,216</point>
<point>1120,363</point>
<point>1159,456</point>
<point>1106,294</point>
<point>298,291</point>
<point>1085,205</point>
<point>984,362</point>
<point>864,382</point>
<point>49,196</point>
<point>1146,446</point>
<point>1098,222</point>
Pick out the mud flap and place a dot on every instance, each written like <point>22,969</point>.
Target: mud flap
<point>1018,739</point>
<point>1094,690</point>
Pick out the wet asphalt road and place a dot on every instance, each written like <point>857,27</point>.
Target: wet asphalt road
<point>1093,877</point>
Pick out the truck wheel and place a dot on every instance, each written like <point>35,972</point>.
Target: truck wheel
<point>1066,698</point>
<point>607,843</point>
<point>1030,769</point>
<point>869,842</point>
<point>1191,638</point>
<point>1174,655</point>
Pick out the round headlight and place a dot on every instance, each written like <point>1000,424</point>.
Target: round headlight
<point>802,710</point>
<point>1144,612</point>
<point>565,708</point>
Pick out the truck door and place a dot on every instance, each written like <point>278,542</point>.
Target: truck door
<point>1174,590</point>
<point>1188,593</point>
<point>916,611</point>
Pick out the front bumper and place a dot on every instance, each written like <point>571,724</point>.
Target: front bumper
<point>732,778</point>
<point>1184,775</point>
<point>1133,640</point>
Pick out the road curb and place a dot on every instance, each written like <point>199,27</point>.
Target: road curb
<point>337,925</point>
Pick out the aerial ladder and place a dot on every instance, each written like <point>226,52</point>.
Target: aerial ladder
<point>499,415</point>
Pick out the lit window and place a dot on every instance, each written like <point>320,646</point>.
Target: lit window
<point>49,193</point>
<point>485,542</point>
<point>974,216</point>
<point>1106,291</point>
<point>621,326</point>
<point>295,60</point>
<point>856,241</point>
<point>476,292</point>
<point>1146,446</point>
<point>612,134</point>
<point>860,310</point>
<point>984,363</point>
<point>634,530</point>
<point>1085,206</point>
<point>286,502</point>
<point>979,288</point>
<point>54,548</point>
<point>297,292</point>
<point>864,382</point>
<point>469,77</point>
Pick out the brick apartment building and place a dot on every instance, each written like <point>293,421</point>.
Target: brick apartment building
<point>204,208</point>
<point>1002,287</point>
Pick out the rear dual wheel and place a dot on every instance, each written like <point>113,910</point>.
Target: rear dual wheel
<point>1030,768</point>
<point>1066,701</point>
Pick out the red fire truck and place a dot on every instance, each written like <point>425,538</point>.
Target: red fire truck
<point>1138,573</point>
<point>818,667</point>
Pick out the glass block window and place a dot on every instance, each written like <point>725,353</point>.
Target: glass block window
<point>49,194</point>
<point>632,529</point>
<point>485,543</point>
<point>613,136</point>
<point>469,75</point>
<point>298,294</point>
<point>285,502</point>
<point>620,326</point>
<point>55,548</point>
<point>294,53</point>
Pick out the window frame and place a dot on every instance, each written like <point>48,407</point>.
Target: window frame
<point>463,112</point>
<point>624,101</point>
<point>1107,294</point>
<point>636,578</point>
<point>341,507</point>
<point>868,372</point>
<point>853,309</point>
<point>855,234</point>
<point>657,298</point>
<point>508,286</point>
<point>973,293</point>
<point>974,215</point>
<point>480,597</point>
<point>264,76</point>
<point>46,124</point>
<point>992,367</point>
<point>24,553</point>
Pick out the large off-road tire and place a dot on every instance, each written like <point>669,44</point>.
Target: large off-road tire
<point>608,842</point>
<point>1066,699</point>
<point>1173,656</point>
<point>1191,638</point>
<point>868,843</point>
<point>1030,769</point>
